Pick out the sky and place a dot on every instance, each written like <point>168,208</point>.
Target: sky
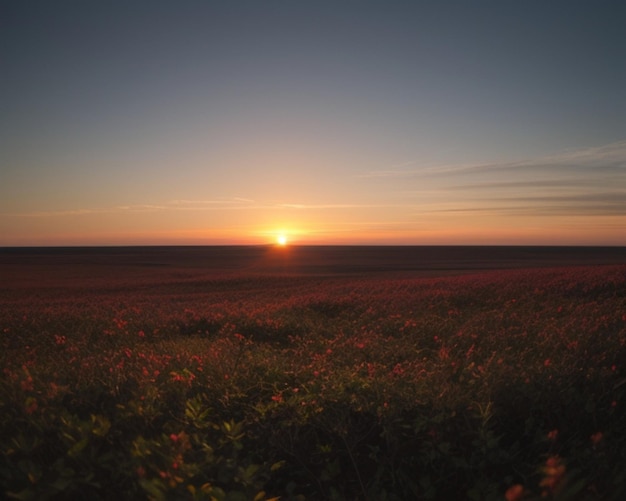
<point>330,122</point>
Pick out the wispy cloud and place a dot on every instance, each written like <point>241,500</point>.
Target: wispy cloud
<point>537,210</point>
<point>209,203</point>
<point>611,203</point>
<point>582,182</point>
<point>136,208</point>
<point>61,213</point>
<point>172,205</point>
<point>538,184</point>
<point>328,206</point>
<point>606,159</point>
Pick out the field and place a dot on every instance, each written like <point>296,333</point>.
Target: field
<point>313,373</point>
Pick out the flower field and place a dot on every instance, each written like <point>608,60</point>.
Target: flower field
<point>505,385</point>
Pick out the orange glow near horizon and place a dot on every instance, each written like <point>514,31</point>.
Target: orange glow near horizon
<point>328,228</point>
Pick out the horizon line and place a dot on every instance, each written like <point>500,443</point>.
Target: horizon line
<point>291,245</point>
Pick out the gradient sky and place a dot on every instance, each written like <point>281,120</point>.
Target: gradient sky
<point>360,122</point>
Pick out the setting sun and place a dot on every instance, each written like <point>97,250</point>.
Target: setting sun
<point>281,240</point>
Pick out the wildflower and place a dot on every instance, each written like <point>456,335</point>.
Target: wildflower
<point>596,438</point>
<point>514,493</point>
<point>31,405</point>
<point>119,323</point>
<point>53,390</point>
<point>553,434</point>
<point>277,398</point>
<point>444,353</point>
<point>553,471</point>
<point>27,384</point>
<point>547,362</point>
<point>141,334</point>
<point>398,370</point>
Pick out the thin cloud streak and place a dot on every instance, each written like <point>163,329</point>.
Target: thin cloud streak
<point>61,213</point>
<point>231,201</point>
<point>583,183</point>
<point>615,197</point>
<point>577,183</point>
<point>610,158</point>
<point>176,205</point>
<point>331,206</point>
<point>605,203</point>
<point>537,211</point>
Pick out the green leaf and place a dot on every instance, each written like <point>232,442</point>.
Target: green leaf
<point>62,483</point>
<point>153,487</point>
<point>278,465</point>
<point>101,425</point>
<point>27,494</point>
<point>77,448</point>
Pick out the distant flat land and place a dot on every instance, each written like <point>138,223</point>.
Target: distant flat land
<point>94,266</point>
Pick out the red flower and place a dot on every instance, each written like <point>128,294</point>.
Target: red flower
<point>596,438</point>
<point>554,472</point>
<point>514,493</point>
<point>27,384</point>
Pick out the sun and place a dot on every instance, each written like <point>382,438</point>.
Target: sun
<point>281,240</point>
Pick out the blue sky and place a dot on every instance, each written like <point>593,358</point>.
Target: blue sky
<point>336,122</point>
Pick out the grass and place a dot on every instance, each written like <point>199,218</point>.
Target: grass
<point>495,385</point>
